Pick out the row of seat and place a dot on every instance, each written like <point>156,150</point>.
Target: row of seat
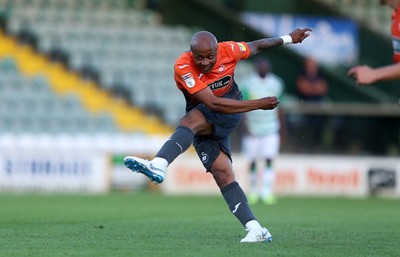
<point>55,124</point>
<point>76,4</point>
<point>137,58</point>
<point>29,105</point>
<point>88,17</point>
<point>108,143</point>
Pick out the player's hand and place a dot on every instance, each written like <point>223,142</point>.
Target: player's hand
<point>269,103</point>
<point>363,75</point>
<point>298,35</point>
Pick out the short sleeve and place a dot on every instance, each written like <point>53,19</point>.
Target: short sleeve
<point>239,50</point>
<point>187,79</point>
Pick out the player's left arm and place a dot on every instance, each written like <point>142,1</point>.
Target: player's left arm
<point>296,36</point>
<point>365,75</point>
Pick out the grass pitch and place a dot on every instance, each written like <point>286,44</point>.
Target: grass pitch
<point>151,224</point>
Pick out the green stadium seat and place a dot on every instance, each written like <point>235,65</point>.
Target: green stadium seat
<point>115,37</point>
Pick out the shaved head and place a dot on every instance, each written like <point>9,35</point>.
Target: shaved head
<point>203,40</point>
<point>204,47</point>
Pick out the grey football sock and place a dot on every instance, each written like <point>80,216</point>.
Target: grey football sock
<point>179,142</point>
<point>237,202</point>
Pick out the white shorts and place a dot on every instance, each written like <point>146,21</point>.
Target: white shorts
<point>265,147</point>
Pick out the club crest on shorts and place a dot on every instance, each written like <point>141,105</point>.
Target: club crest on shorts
<point>204,157</point>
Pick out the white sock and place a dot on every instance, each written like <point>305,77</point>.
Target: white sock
<point>253,224</point>
<point>160,163</point>
<point>253,183</point>
<point>268,181</point>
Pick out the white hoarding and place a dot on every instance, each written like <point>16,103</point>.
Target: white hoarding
<point>297,175</point>
<point>27,171</point>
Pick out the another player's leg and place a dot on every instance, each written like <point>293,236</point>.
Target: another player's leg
<point>254,194</point>
<point>269,154</point>
<point>251,151</point>
<point>236,199</point>
<point>268,180</point>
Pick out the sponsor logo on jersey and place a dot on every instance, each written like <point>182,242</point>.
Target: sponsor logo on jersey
<point>225,81</point>
<point>242,47</point>
<point>221,68</point>
<point>189,80</point>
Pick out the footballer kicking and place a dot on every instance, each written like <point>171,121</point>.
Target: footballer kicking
<point>214,107</point>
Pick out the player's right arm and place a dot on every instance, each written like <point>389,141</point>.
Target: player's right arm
<point>226,105</point>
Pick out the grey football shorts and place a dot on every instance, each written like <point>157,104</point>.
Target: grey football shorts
<point>208,147</point>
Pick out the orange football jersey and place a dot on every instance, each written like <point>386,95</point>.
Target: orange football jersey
<point>190,80</point>
<point>396,35</point>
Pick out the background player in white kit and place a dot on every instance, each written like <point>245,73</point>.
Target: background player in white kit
<point>261,143</point>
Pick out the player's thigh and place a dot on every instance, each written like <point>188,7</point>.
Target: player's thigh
<point>196,121</point>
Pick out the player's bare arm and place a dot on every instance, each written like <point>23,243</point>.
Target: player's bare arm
<point>365,75</point>
<point>297,36</point>
<point>225,105</point>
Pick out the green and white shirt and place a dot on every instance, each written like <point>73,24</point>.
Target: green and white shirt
<point>262,122</point>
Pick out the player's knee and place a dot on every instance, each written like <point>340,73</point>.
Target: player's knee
<point>196,122</point>
<point>223,177</point>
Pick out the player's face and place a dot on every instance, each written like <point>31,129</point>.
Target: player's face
<point>311,66</point>
<point>262,69</point>
<point>205,59</point>
<point>391,3</point>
